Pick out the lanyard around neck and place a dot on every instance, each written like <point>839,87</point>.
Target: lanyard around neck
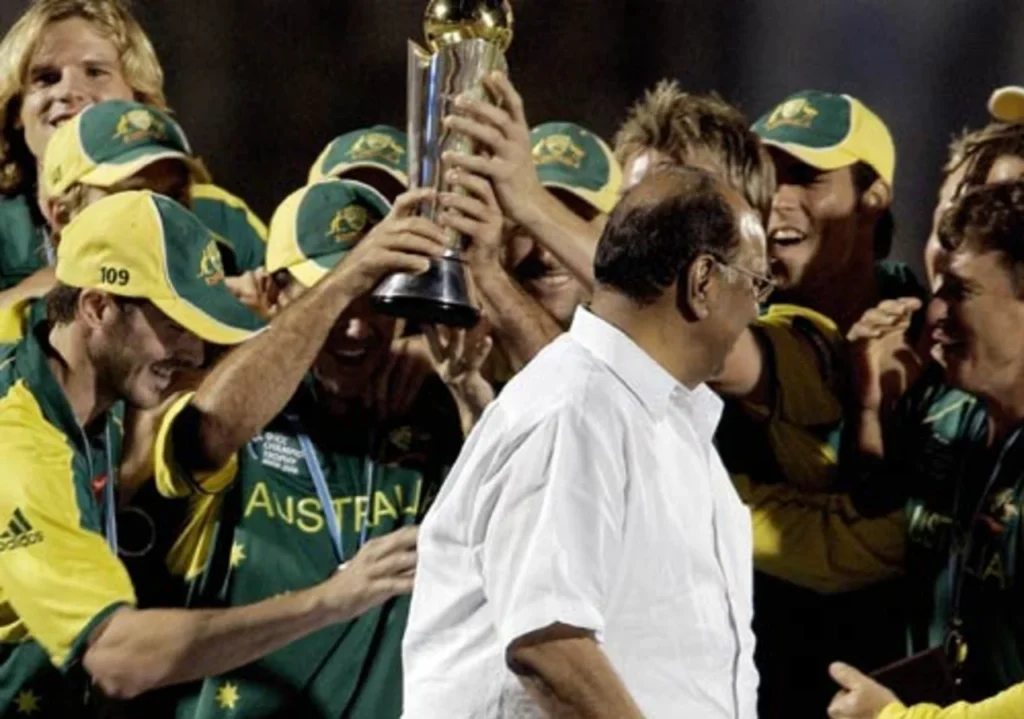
<point>109,488</point>
<point>960,556</point>
<point>109,500</point>
<point>323,493</point>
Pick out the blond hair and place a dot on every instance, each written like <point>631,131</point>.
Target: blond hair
<point>682,124</point>
<point>113,18</point>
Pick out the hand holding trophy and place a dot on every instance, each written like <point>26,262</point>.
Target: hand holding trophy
<point>468,39</point>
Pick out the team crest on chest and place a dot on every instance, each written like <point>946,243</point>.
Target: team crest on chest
<point>281,452</point>
<point>558,149</point>
<point>376,146</point>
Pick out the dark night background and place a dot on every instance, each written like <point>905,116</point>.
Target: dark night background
<point>262,85</point>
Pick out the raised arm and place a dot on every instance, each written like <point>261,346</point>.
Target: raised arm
<point>521,327</point>
<point>503,130</point>
<point>226,410</point>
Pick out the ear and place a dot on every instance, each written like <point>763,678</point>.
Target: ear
<point>269,292</point>
<point>56,212</point>
<point>877,198</point>
<point>701,289</point>
<point>96,308</point>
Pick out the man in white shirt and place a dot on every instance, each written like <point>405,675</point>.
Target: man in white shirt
<point>588,556</point>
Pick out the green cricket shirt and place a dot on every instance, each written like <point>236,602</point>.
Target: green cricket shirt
<point>262,532</point>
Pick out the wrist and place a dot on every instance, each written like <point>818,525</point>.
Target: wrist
<point>530,211</point>
<point>329,605</point>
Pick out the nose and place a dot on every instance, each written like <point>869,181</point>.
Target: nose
<point>72,90</point>
<point>357,329</point>
<point>937,310</point>
<point>786,199</point>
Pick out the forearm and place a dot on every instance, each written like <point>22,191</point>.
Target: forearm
<point>1005,705</point>
<point>253,383</point>
<point>471,399</point>
<point>571,678</point>
<point>36,285</point>
<point>821,541</point>
<point>743,375</point>
<point>565,234</point>
<point>868,433</point>
<point>140,650</point>
<point>519,324</point>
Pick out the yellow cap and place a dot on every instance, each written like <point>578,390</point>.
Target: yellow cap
<point>144,245</point>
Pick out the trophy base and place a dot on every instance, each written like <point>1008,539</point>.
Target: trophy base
<point>438,296</point>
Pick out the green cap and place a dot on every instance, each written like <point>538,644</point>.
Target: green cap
<point>109,142</point>
<point>315,227</point>
<point>380,147</point>
<point>829,131</point>
<point>572,158</point>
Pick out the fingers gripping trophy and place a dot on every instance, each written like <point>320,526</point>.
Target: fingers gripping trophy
<point>467,40</point>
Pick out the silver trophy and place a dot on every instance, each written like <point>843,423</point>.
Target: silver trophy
<point>468,39</point>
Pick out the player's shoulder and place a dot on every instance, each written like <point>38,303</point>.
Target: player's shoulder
<point>217,194</point>
<point>212,201</point>
<point>799,335</point>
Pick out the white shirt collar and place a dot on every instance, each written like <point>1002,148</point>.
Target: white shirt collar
<point>647,379</point>
<point>644,377</point>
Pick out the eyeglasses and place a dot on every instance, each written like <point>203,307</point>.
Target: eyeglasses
<point>762,285</point>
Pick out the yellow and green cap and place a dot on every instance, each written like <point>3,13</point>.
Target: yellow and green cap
<point>381,147</point>
<point>571,158</point>
<point>316,226</point>
<point>1007,104</point>
<point>829,131</point>
<point>144,245</point>
<point>111,141</point>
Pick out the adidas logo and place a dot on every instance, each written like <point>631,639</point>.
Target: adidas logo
<point>19,533</point>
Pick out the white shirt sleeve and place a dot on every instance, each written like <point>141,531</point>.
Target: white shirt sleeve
<point>554,538</point>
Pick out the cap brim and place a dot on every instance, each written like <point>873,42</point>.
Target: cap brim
<point>338,171</point>
<point>1007,104</point>
<point>311,271</point>
<point>226,321</point>
<point>109,174</point>
<point>830,158</point>
<point>602,200</point>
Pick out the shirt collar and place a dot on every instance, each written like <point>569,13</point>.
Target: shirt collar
<point>32,365</point>
<point>644,377</point>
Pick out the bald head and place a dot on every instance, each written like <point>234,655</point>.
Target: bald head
<point>662,224</point>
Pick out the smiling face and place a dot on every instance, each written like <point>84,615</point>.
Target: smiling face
<point>813,228</point>
<point>74,65</point>
<point>541,274</point>
<point>979,323</point>
<point>139,351</point>
<point>355,352</point>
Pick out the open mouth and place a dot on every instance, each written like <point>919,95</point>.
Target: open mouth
<point>946,345</point>
<point>60,118</point>
<point>786,236</point>
<point>350,355</point>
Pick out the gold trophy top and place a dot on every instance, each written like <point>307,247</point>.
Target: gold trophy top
<point>450,21</point>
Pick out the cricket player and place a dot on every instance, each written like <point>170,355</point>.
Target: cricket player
<point>319,475</point>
